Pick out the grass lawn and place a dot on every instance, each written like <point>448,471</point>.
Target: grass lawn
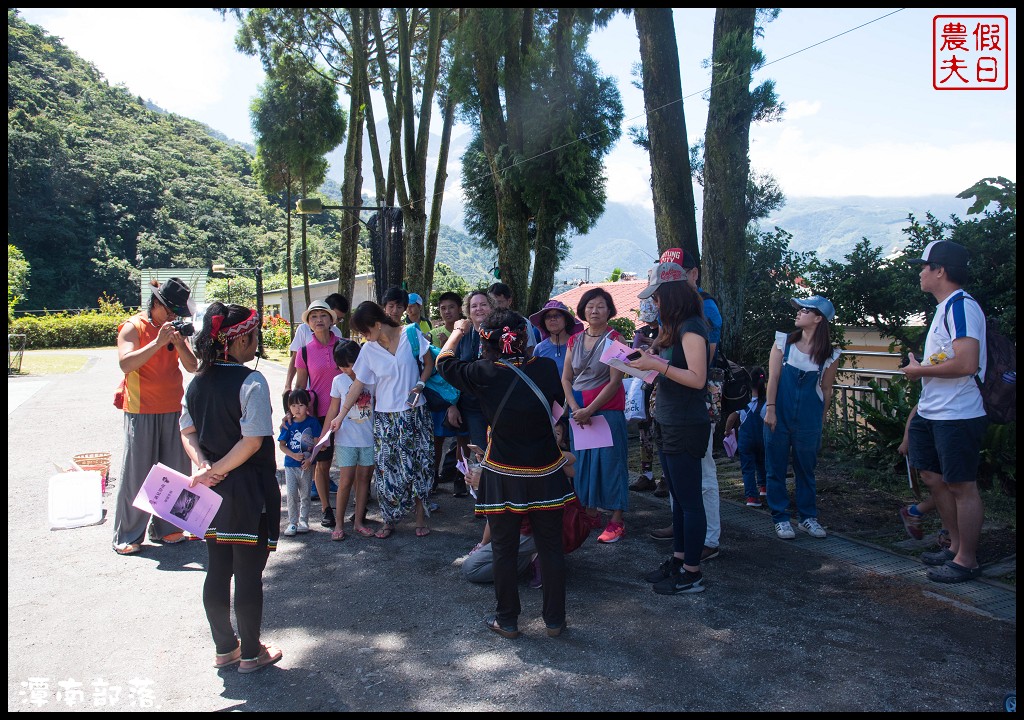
<point>275,355</point>
<point>47,362</point>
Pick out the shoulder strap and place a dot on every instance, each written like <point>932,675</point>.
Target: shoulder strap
<point>501,405</point>
<point>412,333</point>
<point>532,385</point>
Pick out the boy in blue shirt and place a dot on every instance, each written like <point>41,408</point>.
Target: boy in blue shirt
<point>296,440</point>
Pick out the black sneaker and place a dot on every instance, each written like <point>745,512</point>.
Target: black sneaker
<point>664,570</point>
<point>938,558</point>
<point>328,520</point>
<point>680,582</point>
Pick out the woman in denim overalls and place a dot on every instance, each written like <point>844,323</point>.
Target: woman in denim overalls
<point>802,369</point>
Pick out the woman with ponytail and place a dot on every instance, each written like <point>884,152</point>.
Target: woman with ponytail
<point>228,432</point>
<point>521,475</point>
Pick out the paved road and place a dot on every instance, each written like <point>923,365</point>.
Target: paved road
<point>389,625</point>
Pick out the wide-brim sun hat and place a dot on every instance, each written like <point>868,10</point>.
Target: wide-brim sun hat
<point>572,323</point>
<point>319,305</point>
<point>817,302</point>
<point>176,296</point>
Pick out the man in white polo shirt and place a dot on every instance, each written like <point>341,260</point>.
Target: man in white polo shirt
<point>947,432</point>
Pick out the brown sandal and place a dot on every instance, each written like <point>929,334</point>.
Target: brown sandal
<point>268,656</point>
<point>223,660</point>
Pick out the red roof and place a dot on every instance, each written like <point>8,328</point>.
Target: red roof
<point>624,295</point>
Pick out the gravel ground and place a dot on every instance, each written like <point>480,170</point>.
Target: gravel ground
<point>389,625</point>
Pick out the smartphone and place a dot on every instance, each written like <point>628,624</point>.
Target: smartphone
<point>634,355</point>
<point>475,448</point>
<point>413,397</point>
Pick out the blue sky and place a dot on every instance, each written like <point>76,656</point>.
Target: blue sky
<point>862,118</point>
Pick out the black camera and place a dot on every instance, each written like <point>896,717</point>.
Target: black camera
<point>184,327</point>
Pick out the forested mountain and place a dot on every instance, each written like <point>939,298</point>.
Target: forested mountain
<point>99,185</point>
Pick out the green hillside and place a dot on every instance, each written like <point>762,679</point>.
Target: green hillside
<point>99,185</point>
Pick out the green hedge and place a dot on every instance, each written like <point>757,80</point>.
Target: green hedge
<point>61,330</point>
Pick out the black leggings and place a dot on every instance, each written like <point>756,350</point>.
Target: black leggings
<point>246,564</point>
<point>546,526</point>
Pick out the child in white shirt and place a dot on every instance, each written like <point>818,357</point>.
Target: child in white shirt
<point>353,441</point>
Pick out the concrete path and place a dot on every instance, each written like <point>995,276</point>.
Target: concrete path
<point>372,625</point>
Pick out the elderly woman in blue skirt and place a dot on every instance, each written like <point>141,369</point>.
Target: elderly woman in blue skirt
<point>594,389</point>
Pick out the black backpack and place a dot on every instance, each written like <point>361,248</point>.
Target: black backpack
<point>999,386</point>
<point>736,384</point>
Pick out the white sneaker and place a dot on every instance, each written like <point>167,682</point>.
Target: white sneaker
<point>812,528</point>
<point>290,530</point>
<point>784,530</point>
<point>303,526</point>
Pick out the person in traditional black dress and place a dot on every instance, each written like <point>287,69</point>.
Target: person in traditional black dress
<point>228,432</point>
<point>522,474</point>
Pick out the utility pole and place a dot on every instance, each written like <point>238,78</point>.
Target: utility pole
<point>585,268</point>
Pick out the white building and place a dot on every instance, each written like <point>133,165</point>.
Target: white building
<point>277,299</point>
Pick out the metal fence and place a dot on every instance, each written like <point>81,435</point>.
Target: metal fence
<point>844,415</point>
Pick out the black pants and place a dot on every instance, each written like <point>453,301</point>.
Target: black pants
<point>246,564</point>
<point>547,534</point>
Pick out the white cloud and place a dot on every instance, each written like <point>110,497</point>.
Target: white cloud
<point>181,59</point>
<point>802,108</point>
<point>879,168</point>
<point>628,173</point>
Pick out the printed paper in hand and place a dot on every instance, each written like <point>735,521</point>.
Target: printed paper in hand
<point>556,412</point>
<point>614,355</point>
<point>320,445</point>
<point>166,494</point>
<point>596,434</point>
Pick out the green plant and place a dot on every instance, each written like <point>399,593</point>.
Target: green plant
<point>874,430</point>
<point>999,458</point>
<point>276,333</point>
<point>625,327</point>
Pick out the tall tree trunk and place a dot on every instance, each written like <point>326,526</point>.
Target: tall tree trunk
<point>288,255</point>
<point>305,255</point>
<point>675,219</point>
<point>545,261</point>
<point>440,178</point>
<point>727,167</point>
<point>352,186</point>
<point>360,58</point>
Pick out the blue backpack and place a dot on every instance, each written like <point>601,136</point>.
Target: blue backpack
<point>439,393</point>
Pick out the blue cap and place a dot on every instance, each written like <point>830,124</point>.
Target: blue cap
<point>822,305</point>
<point>415,299</point>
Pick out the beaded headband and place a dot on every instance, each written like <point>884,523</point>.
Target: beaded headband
<point>237,330</point>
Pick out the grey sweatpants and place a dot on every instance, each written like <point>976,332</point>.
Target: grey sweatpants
<point>148,439</point>
<point>479,567</point>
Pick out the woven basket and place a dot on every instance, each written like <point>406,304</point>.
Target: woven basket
<point>94,461</point>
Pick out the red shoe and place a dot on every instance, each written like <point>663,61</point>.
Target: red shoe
<point>613,533</point>
<point>753,502</point>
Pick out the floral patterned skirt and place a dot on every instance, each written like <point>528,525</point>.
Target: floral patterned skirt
<point>403,444</point>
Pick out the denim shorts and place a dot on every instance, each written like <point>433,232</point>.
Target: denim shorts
<point>951,448</point>
<point>352,456</point>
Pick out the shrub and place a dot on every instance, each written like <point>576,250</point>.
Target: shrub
<point>276,333</point>
<point>624,326</point>
<point>61,330</point>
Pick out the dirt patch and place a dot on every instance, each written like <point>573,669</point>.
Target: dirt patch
<point>864,505</point>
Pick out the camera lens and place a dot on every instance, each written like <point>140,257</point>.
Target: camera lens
<point>184,327</point>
